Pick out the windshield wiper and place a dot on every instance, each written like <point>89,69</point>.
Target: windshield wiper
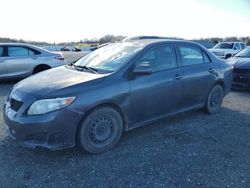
<point>84,67</point>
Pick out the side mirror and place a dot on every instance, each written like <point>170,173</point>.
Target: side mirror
<point>143,69</point>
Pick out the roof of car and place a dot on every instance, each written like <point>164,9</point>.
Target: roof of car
<point>231,42</point>
<point>146,42</point>
<point>14,44</point>
<point>19,44</point>
<point>26,45</point>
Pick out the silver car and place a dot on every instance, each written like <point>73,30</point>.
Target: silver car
<point>23,60</point>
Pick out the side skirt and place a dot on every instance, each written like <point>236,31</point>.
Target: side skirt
<point>163,117</point>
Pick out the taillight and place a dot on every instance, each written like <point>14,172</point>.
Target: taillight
<point>59,58</point>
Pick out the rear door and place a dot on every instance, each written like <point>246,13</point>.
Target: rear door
<point>159,93</point>
<point>20,61</point>
<point>199,74</point>
<point>3,67</point>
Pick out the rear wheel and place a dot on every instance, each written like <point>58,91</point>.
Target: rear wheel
<point>228,56</point>
<point>101,130</point>
<point>214,100</point>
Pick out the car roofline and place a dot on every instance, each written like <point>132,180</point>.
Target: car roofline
<point>26,45</point>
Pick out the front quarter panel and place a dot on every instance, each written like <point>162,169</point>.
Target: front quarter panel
<point>112,91</point>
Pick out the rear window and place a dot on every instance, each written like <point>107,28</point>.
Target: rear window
<point>16,51</point>
<point>33,52</point>
<point>190,56</point>
<point>242,46</point>
<point>237,46</point>
<point>1,51</point>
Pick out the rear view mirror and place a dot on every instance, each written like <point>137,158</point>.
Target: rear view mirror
<point>143,69</point>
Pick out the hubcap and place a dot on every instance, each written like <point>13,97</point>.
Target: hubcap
<point>215,99</point>
<point>100,129</point>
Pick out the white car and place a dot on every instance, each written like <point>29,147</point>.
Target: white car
<point>22,60</point>
<point>226,50</point>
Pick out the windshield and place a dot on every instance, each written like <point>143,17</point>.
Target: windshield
<point>110,58</point>
<point>244,53</point>
<point>224,45</point>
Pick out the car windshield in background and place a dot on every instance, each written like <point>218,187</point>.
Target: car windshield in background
<point>224,45</point>
<point>244,53</point>
<point>109,58</point>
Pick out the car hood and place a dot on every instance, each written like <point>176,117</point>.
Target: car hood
<point>241,63</point>
<point>60,81</point>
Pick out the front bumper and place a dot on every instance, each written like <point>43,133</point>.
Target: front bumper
<point>241,81</point>
<point>54,130</point>
<point>219,55</point>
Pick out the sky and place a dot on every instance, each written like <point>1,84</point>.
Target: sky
<point>74,20</point>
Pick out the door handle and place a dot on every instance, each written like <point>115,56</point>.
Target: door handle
<point>211,70</point>
<point>177,77</point>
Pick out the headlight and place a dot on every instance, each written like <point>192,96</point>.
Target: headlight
<point>47,105</point>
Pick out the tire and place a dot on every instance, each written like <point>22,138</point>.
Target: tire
<point>101,130</point>
<point>228,56</point>
<point>214,100</point>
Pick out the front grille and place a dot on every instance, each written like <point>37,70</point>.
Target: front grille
<point>15,104</point>
<point>241,79</point>
<point>242,71</point>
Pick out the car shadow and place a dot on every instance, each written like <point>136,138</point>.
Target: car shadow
<point>167,128</point>
<point>189,142</point>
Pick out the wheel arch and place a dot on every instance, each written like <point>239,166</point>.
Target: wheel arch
<point>41,66</point>
<point>100,105</point>
<point>228,55</point>
<point>221,83</point>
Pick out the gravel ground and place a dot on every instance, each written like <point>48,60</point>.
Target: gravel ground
<point>191,150</point>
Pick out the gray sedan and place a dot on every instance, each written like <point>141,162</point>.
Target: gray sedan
<point>114,89</point>
<point>23,60</point>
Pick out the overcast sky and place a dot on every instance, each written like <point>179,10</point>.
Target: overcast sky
<point>73,20</point>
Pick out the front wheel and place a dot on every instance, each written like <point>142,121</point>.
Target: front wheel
<point>214,100</point>
<point>101,130</point>
<point>228,56</point>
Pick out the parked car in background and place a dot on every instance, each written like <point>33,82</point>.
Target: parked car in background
<point>76,49</point>
<point>22,60</point>
<point>143,38</point>
<point>93,48</point>
<point>226,50</point>
<point>65,49</point>
<point>114,89</point>
<point>241,71</point>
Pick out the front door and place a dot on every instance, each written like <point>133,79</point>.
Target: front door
<point>159,93</point>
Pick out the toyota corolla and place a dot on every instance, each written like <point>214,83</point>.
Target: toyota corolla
<point>112,90</point>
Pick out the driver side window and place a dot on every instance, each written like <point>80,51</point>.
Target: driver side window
<point>1,51</point>
<point>159,58</point>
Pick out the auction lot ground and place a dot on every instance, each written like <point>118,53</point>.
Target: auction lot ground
<point>191,150</point>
